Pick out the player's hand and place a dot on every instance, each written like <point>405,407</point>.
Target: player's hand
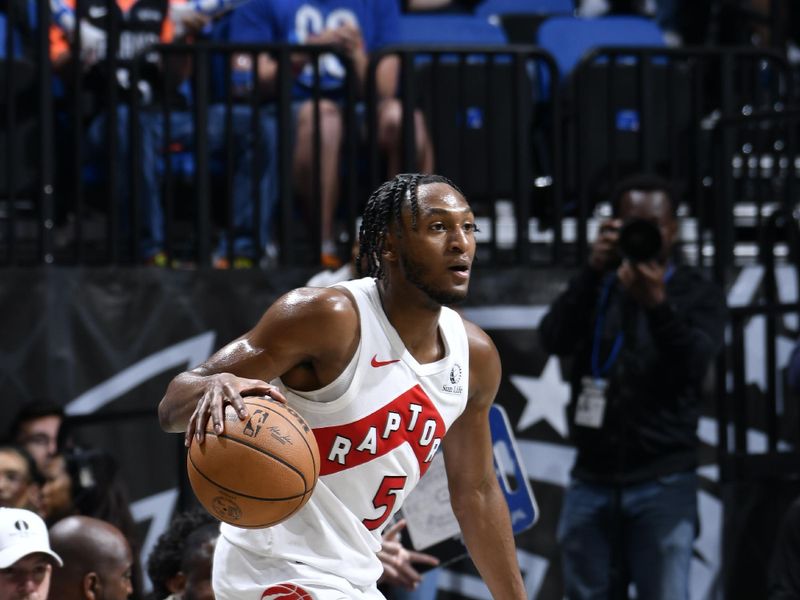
<point>225,389</point>
<point>644,281</point>
<point>398,562</point>
<point>605,255</point>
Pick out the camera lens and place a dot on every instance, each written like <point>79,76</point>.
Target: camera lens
<point>639,240</point>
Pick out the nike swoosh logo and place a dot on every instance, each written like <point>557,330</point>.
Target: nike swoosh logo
<point>382,363</point>
<point>97,12</point>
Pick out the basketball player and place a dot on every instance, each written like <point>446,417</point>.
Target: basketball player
<point>381,369</point>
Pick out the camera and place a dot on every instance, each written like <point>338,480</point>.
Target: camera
<point>639,240</point>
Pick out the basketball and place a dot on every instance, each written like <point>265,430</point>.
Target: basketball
<point>259,471</point>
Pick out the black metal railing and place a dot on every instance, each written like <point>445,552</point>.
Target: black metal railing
<point>191,226</point>
<point>757,165</point>
<point>485,119</point>
<point>654,109</point>
<point>495,130</point>
<point>26,135</point>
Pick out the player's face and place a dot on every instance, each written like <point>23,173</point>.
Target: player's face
<point>26,579</point>
<point>437,255</point>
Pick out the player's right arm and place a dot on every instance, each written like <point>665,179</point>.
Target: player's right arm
<point>286,342</point>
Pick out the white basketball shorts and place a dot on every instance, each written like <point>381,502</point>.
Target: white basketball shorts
<point>239,574</point>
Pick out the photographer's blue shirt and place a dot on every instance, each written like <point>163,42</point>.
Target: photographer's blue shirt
<point>294,21</point>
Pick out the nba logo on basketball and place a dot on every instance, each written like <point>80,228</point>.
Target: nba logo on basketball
<point>253,425</point>
<point>285,591</point>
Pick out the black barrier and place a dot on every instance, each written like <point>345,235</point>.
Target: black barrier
<point>26,135</point>
<point>757,164</point>
<point>672,102</point>
<point>654,109</point>
<point>484,118</point>
<point>293,240</point>
<point>775,413</point>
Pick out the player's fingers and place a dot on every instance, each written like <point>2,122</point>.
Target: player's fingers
<point>187,437</point>
<point>217,411</point>
<point>234,398</point>
<point>201,415</point>
<point>276,394</point>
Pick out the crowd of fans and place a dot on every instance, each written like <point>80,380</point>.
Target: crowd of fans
<point>246,218</point>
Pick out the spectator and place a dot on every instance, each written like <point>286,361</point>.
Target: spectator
<point>20,480</point>
<point>359,28</point>
<point>196,562</point>
<point>26,559</point>
<point>140,29</point>
<point>56,500</point>
<point>164,565</point>
<point>87,481</point>
<point>36,428</point>
<point>97,560</point>
<point>642,332</point>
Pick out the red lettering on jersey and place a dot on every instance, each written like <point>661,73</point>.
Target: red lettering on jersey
<point>411,417</point>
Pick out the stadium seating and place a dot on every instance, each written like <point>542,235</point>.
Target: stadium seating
<point>470,126</point>
<point>488,8</point>
<point>448,29</point>
<point>569,38</point>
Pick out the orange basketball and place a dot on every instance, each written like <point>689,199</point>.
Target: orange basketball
<point>259,471</point>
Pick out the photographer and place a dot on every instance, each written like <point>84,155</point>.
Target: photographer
<point>642,331</point>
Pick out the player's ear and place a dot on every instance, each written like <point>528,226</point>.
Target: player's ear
<point>390,246</point>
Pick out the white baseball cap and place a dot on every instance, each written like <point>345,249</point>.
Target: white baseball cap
<point>23,532</point>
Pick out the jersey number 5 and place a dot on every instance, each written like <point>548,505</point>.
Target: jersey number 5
<point>385,498</point>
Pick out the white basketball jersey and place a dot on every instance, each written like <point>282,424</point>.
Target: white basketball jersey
<point>376,438</point>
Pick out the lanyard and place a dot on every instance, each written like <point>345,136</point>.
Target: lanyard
<point>599,370</point>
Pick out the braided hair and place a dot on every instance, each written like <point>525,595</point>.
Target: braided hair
<point>384,206</point>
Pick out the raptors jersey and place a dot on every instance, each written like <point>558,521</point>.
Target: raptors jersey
<point>378,427</point>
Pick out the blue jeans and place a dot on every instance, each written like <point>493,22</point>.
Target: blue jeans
<point>151,215</point>
<point>151,130</point>
<point>657,522</point>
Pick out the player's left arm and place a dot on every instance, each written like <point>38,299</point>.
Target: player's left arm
<point>475,494</point>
